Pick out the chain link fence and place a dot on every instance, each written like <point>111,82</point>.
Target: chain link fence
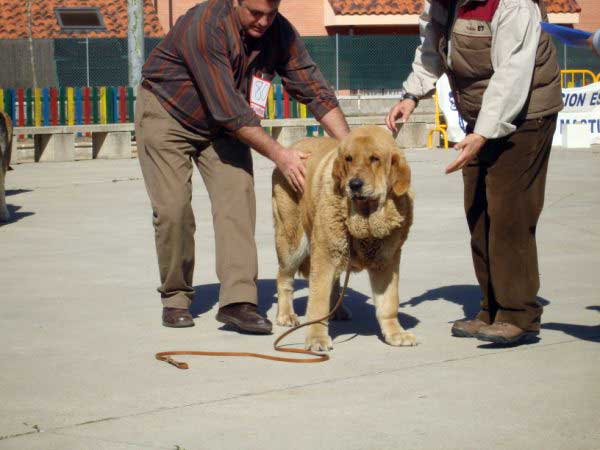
<point>351,63</point>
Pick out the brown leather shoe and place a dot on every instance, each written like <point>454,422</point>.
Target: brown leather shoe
<point>244,317</point>
<point>467,328</point>
<point>177,318</point>
<point>504,333</point>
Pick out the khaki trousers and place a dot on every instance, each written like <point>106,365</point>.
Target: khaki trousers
<point>504,196</point>
<point>166,150</point>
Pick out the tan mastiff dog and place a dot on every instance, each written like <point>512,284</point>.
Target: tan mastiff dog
<point>356,208</point>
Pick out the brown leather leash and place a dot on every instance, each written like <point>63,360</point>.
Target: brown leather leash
<point>320,357</point>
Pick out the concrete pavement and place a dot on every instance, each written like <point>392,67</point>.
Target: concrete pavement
<point>80,324</point>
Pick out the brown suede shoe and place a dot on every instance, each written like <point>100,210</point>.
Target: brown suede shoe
<point>467,328</point>
<point>504,333</point>
<point>177,318</point>
<point>244,317</point>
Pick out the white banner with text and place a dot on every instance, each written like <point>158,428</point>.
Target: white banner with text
<point>582,105</point>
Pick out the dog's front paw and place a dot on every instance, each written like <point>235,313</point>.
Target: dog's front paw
<point>342,313</point>
<point>288,320</point>
<point>320,343</point>
<point>401,339</point>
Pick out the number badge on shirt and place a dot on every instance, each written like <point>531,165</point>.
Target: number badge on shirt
<point>259,93</point>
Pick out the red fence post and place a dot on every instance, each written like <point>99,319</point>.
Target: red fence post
<point>53,106</point>
<point>286,105</point>
<point>21,107</point>
<point>87,107</point>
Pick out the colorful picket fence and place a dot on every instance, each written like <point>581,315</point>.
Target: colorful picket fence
<point>68,105</point>
<point>109,104</point>
<point>281,106</point>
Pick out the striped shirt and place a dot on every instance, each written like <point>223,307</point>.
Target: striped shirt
<point>202,71</point>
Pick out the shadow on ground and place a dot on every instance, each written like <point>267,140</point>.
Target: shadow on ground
<point>468,297</point>
<point>363,320</point>
<point>15,214</point>
<point>584,332</point>
<point>465,295</point>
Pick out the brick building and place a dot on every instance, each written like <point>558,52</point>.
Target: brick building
<point>73,42</point>
<point>590,15</point>
<point>327,17</point>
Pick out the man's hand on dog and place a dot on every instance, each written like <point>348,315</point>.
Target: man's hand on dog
<point>291,164</point>
<point>469,148</point>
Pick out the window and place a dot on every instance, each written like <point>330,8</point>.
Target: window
<point>71,19</point>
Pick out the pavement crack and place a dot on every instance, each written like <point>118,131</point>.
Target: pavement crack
<point>564,197</point>
<point>297,386</point>
<point>10,436</point>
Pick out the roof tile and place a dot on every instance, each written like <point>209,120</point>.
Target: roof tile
<point>13,19</point>
<point>361,7</point>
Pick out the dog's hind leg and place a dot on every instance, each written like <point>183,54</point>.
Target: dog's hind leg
<point>384,284</point>
<point>343,313</point>
<point>288,266</point>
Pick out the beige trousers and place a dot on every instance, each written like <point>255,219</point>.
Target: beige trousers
<point>166,150</point>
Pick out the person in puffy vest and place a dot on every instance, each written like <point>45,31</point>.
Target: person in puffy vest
<point>506,84</point>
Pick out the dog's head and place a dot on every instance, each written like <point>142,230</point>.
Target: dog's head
<point>369,167</point>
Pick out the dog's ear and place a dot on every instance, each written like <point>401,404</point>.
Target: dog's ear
<point>338,173</point>
<point>399,178</point>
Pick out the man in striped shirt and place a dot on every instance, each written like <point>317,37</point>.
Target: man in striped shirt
<point>204,87</point>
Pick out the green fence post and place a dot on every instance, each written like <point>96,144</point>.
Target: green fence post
<point>95,109</point>
<point>62,103</point>
<point>110,110</point>
<point>130,100</point>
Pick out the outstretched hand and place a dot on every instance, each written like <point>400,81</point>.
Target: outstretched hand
<point>469,148</point>
<point>401,110</point>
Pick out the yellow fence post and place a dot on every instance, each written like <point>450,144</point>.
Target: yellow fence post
<point>103,118</point>
<point>70,106</point>
<point>1,99</point>
<point>271,103</point>
<point>441,128</point>
<point>37,107</point>
<point>302,113</point>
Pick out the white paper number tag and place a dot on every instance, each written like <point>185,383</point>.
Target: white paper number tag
<point>259,92</point>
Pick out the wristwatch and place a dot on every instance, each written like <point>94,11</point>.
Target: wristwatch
<point>408,95</point>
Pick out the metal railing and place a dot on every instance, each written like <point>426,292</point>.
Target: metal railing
<point>439,126</point>
<point>570,78</point>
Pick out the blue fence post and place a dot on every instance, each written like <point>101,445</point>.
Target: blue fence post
<point>115,99</point>
<point>279,101</point>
